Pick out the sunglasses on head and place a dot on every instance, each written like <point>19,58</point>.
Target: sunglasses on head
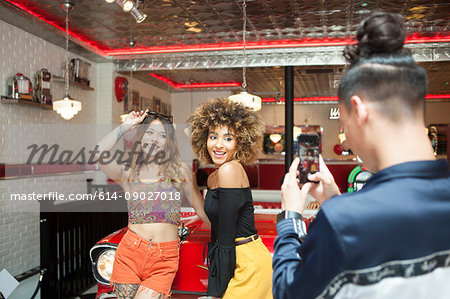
<point>161,115</point>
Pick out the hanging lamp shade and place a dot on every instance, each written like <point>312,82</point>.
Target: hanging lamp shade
<point>244,97</point>
<point>67,107</point>
<point>247,99</point>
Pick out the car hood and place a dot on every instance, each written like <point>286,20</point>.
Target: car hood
<point>199,231</point>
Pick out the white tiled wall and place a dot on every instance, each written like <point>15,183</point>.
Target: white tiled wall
<point>105,91</point>
<point>22,125</point>
<point>26,53</point>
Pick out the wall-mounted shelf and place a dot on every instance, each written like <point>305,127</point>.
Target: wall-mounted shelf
<point>25,102</point>
<point>58,79</point>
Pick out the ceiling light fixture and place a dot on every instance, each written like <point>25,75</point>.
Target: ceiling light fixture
<point>127,5</point>
<point>138,14</point>
<point>194,29</point>
<point>132,8</point>
<point>244,97</point>
<point>67,107</point>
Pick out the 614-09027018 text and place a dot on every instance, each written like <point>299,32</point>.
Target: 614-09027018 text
<point>97,196</point>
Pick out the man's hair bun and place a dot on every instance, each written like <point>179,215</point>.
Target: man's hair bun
<point>380,34</point>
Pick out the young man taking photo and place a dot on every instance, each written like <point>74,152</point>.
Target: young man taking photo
<point>392,238</point>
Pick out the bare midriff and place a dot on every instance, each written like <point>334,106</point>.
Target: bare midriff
<point>156,232</point>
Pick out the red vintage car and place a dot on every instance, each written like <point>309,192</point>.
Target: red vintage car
<point>192,276</point>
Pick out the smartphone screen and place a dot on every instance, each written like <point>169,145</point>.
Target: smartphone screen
<point>308,152</point>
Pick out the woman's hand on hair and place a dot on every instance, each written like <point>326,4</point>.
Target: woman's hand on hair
<point>135,117</point>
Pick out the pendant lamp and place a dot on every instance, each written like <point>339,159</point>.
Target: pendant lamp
<point>67,107</point>
<point>244,97</point>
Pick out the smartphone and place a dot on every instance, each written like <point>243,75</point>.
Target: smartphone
<point>308,152</point>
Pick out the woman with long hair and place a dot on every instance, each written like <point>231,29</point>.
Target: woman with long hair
<point>155,182</point>
<point>228,135</point>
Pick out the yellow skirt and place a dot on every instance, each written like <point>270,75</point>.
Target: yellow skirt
<point>253,275</point>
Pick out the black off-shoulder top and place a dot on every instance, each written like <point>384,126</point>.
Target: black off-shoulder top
<point>231,213</point>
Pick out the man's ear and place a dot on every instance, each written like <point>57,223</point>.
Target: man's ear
<point>360,109</point>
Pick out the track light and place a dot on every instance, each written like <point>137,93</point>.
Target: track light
<point>131,7</point>
<point>138,15</point>
<point>126,5</point>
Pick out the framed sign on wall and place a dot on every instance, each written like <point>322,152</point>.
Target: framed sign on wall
<point>135,101</point>
<point>146,103</point>
<point>157,104</point>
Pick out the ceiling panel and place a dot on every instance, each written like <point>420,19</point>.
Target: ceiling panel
<point>105,27</point>
<point>269,82</point>
<point>181,22</point>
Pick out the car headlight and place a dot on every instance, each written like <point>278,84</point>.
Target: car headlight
<point>105,263</point>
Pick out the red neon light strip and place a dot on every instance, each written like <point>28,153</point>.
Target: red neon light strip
<point>415,39</point>
<point>205,85</point>
<point>233,46</point>
<point>335,99</point>
<point>262,45</point>
<point>164,79</point>
<point>437,96</point>
<point>103,51</point>
<point>268,100</point>
<point>309,99</point>
<point>195,85</point>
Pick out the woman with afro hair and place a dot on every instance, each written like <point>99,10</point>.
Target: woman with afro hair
<point>228,135</point>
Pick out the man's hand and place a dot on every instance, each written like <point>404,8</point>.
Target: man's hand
<point>326,188</point>
<point>294,198</point>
